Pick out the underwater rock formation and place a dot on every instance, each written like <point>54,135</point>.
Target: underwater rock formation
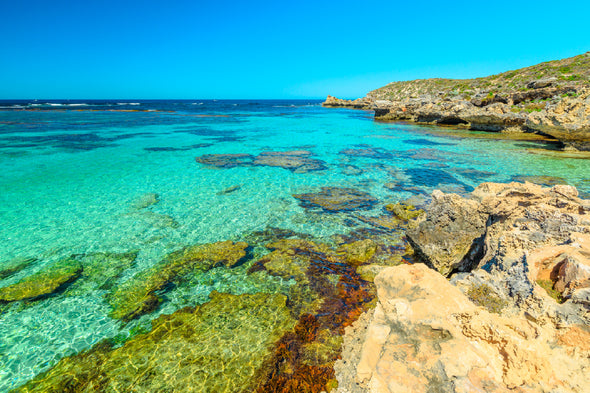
<point>101,270</point>
<point>14,266</point>
<point>136,296</point>
<point>145,201</point>
<point>337,199</point>
<point>45,282</point>
<point>297,161</point>
<point>225,160</point>
<point>224,345</point>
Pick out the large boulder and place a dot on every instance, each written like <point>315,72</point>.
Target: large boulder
<point>449,236</point>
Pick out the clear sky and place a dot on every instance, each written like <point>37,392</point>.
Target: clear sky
<point>271,49</point>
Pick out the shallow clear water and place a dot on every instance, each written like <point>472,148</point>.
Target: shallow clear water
<point>71,176</point>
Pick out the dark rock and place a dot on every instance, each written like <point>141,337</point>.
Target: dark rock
<point>225,160</point>
<point>337,199</point>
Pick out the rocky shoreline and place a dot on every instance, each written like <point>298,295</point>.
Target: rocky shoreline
<point>500,304</point>
<point>551,99</point>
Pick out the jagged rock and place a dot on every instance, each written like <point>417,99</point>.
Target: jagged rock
<point>425,335</point>
<point>222,346</point>
<point>447,238</point>
<point>337,199</point>
<point>137,296</point>
<point>45,282</point>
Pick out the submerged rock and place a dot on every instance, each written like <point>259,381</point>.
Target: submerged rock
<point>229,190</point>
<point>337,199</point>
<point>101,270</point>
<point>137,296</point>
<point>15,265</point>
<point>45,282</point>
<point>145,201</point>
<point>225,160</point>
<point>222,346</point>
<point>298,161</point>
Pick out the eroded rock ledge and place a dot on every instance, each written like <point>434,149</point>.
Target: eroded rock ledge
<point>551,99</point>
<point>514,316</point>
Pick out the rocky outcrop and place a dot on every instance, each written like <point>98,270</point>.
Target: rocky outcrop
<point>425,335</point>
<point>359,103</point>
<point>551,99</point>
<point>514,316</point>
<point>517,234</point>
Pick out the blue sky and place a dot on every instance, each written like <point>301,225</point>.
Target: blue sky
<point>270,49</point>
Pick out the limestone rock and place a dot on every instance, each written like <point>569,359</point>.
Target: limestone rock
<point>446,237</point>
<point>548,99</point>
<point>425,335</point>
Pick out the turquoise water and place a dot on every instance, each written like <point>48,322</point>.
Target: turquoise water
<point>71,177</point>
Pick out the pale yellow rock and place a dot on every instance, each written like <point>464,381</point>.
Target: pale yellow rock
<point>425,335</point>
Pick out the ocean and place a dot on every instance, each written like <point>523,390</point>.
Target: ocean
<point>115,187</point>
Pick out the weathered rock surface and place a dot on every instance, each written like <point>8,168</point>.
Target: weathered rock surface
<point>425,335</point>
<point>446,238</point>
<point>551,98</point>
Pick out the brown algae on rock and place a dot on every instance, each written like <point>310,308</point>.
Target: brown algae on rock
<point>136,296</point>
<point>47,281</point>
<point>222,346</point>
